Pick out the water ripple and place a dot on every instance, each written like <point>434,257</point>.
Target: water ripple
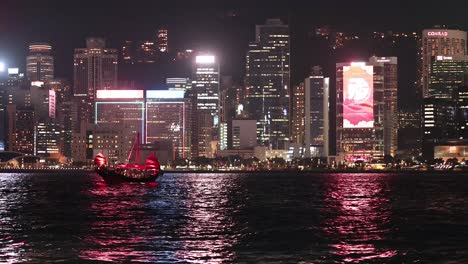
<point>232,218</point>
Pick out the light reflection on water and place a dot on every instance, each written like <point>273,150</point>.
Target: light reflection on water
<point>361,215</point>
<point>231,218</point>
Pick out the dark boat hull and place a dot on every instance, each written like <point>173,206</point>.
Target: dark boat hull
<point>112,176</point>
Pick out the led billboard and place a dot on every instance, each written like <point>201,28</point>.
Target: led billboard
<point>358,96</point>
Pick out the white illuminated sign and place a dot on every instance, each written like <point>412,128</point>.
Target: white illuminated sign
<point>119,94</point>
<point>444,58</point>
<point>37,83</point>
<point>205,59</point>
<point>165,94</point>
<point>13,70</point>
<point>358,64</point>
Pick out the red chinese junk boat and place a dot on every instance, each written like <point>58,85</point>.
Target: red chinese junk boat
<point>135,172</point>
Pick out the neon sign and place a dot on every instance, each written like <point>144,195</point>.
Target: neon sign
<point>437,33</point>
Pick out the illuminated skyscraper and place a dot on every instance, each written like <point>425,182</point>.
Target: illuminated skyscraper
<point>440,42</point>
<point>298,114</point>
<point>15,90</point>
<point>47,139</point>
<point>95,68</point>
<point>122,111</point>
<point>40,63</point>
<point>316,121</point>
<point>169,118</point>
<point>359,112</point>
<point>20,129</point>
<point>268,83</point>
<point>146,52</point>
<point>163,44</point>
<point>446,75</point>
<point>366,109</point>
<point>206,86</point>
<point>128,51</point>
<point>387,67</point>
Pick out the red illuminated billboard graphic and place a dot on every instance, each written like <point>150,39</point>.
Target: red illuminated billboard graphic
<point>358,96</point>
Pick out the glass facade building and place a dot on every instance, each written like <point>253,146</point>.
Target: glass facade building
<point>316,119</point>
<point>119,110</point>
<point>169,119</point>
<point>206,81</point>
<point>439,42</point>
<point>94,68</point>
<point>268,83</point>
<point>40,63</point>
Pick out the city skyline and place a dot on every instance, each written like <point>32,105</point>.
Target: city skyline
<point>312,90</point>
<point>208,26</point>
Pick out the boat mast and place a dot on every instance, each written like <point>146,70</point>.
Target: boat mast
<point>131,151</point>
<point>137,153</point>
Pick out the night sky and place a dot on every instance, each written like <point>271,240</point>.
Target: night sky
<point>209,25</point>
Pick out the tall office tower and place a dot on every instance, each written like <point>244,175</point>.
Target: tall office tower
<point>65,120</point>
<point>14,90</point>
<point>387,67</point>
<point>47,130</point>
<point>439,124</point>
<point>446,124</point>
<point>20,129</point>
<point>268,83</point>
<point>359,111</point>
<point>40,63</point>
<point>44,103</point>
<point>206,86</point>
<point>163,44</point>
<point>409,130</point>
<point>439,42</point>
<point>316,110</point>
<point>446,75</point>
<point>146,52</point>
<point>128,52</point>
<point>462,112</point>
<point>62,89</point>
<point>168,119</point>
<point>47,138</point>
<point>227,98</point>
<point>118,113</point>
<point>95,68</point>
<point>192,114</point>
<point>227,111</point>
<point>298,114</point>
<point>176,84</point>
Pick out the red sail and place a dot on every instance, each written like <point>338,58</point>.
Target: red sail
<point>152,162</point>
<point>100,160</point>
